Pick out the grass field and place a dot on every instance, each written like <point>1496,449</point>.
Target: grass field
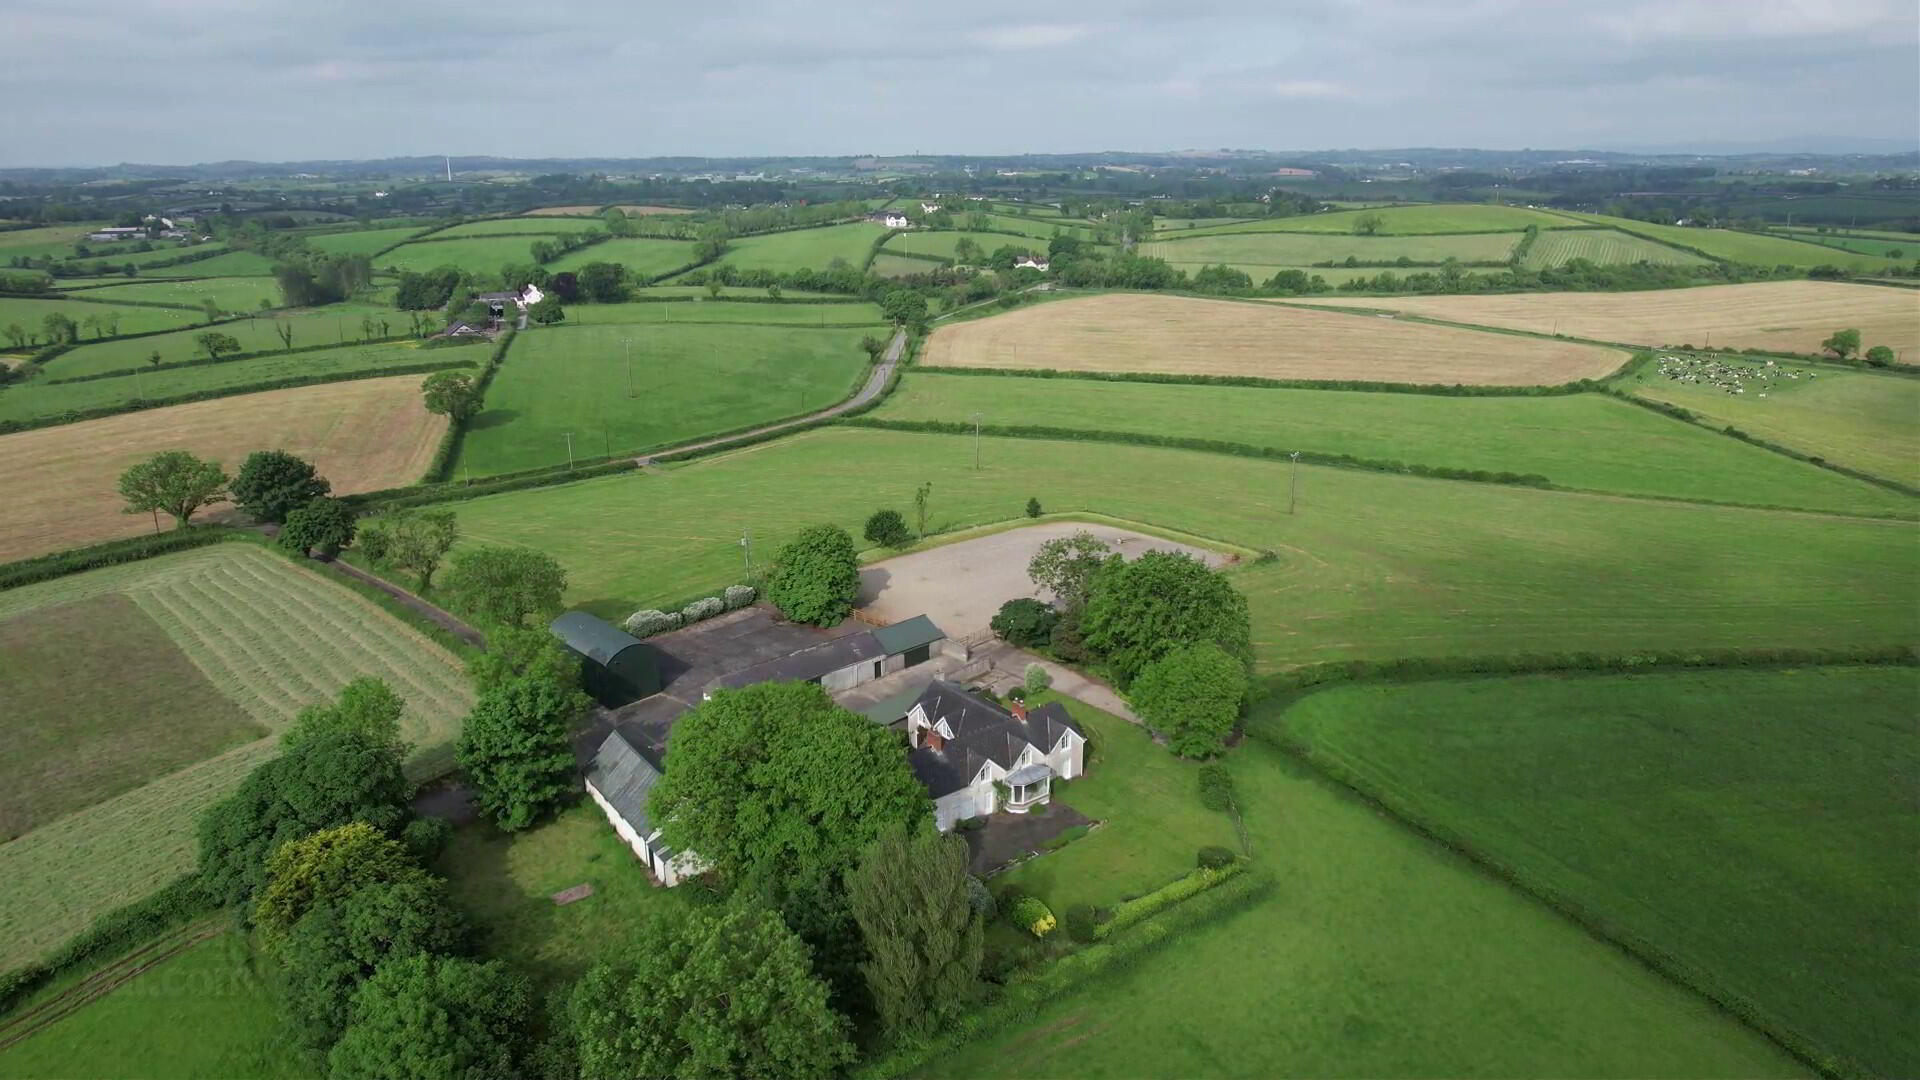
<point>1370,565</point>
<point>28,315</point>
<point>643,209</point>
<point>1557,247</point>
<point>484,256</point>
<point>1791,316</point>
<point>1900,248</point>
<point>1039,230</point>
<point>364,242</point>
<point>1376,954</point>
<point>1410,220</point>
<point>1181,224</point>
<point>803,249</point>
<point>705,310</point>
<point>1743,247</point>
<point>944,243</point>
<point>532,226</point>
<point>207,1012</point>
<point>235,294</point>
<point>644,258</point>
<point>311,326</point>
<point>900,266</point>
<point>1271,249</point>
<point>1842,233</point>
<point>1582,441</point>
<point>55,240</point>
<point>227,264</point>
<point>270,637</point>
<point>689,380</point>
<point>1853,418</point>
<point>1757,827</point>
<point>1131,332</point>
<point>74,740</point>
<point>60,489</point>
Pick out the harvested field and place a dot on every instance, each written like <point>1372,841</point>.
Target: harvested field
<point>1136,333</point>
<point>59,487</point>
<point>1791,316</point>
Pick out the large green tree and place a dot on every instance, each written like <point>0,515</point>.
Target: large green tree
<point>273,483</point>
<point>326,868</point>
<point>923,941</point>
<point>174,481</point>
<point>515,751</point>
<point>816,577</point>
<point>1193,695</point>
<point>1843,343</point>
<point>529,653</point>
<point>430,1017</point>
<point>724,992</point>
<point>411,540</point>
<point>505,585</point>
<point>323,525</point>
<point>451,394</point>
<point>1139,611</point>
<point>366,706</point>
<point>336,946</point>
<point>1065,565</point>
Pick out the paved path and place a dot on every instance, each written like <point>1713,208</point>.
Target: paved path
<point>875,384</point>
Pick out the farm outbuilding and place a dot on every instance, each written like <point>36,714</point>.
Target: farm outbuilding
<point>618,668</point>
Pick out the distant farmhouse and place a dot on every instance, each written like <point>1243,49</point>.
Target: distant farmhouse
<point>1031,262</point>
<point>892,219</point>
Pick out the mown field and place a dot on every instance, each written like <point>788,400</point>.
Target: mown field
<point>1852,418</point>
<point>229,294</point>
<point>484,256</point>
<point>532,226</point>
<point>1758,828</point>
<point>1127,332</point>
<point>1900,248</point>
<point>364,242</point>
<point>643,257</point>
<point>803,249</point>
<point>895,266</point>
<point>335,323</point>
<point>1376,954</point>
<point>688,380</point>
<point>944,243</point>
<point>29,314</point>
<point>61,484</point>
<point>701,308</point>
<point>1271,249</point>
<point>1742,247</point>
<point>1370,565</point>
<point>1581,441</point>
<point>1410,220</point>
<point>271,638</point>
<point>1557,247</point>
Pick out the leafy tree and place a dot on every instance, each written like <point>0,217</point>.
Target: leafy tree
<point>1221,278</point>
<point>1139,611</point>
<point>904,306</point>
<point>1880,356</point>
<point>873,347</point>
<point>921,496</point>
<point>272,483</point>
<point>1193,694</point>
<point>1033,507</point>
<point>412,540</point>
<point>547,310</point>
<point>1036,680</point>
<point>323,525</point>
<point>708,993</point>
<point>154,358</point>
<point>505,584</point>
<point>17,335</point>
<point>428,1017</point>
<point>451,394</point>
<point>603,282</point>
<point>215,344</point>
<point>516,653</point>
<point>174,481</point>
<point>59,328</point>
<point>565,285</point>
<point>326,868</point>
<point>1368,224</point>
<point>515,751</point>
<point>888,529</point>
<point>923,941</point>
<point>335,947</point>
<point>816,576</point>
<point>1843,343</point>
<point>329,780</point>
<point>1066,565</point>
<point>284,330</point>
<point>367,706</point>
<point>1025,622</point>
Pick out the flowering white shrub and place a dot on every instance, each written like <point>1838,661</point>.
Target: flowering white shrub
<point>650,621</point>
<point>739,596</point>
<point>705,608</point>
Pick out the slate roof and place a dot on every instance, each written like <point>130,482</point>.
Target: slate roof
<point>982,732</point>
<point>594,638</point>
<point>808,663</point>
<point>911,634</point>
<point>624,777</point>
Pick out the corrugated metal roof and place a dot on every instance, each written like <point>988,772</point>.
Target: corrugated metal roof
<point>624,777</point>
<point>592,637</point>
<point>810,663</point>
<point>911,634</point>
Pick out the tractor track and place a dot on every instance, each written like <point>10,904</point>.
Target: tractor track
<point>105,980</point>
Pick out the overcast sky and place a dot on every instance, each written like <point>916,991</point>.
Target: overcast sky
<point>183,81</point>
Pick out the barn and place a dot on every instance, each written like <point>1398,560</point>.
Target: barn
<point>618,668</point>
<point>619,781</point>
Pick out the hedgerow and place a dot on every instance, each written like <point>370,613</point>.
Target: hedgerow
<point>1133,911</point>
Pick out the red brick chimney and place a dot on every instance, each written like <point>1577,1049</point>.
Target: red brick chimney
<point>1018,709</point>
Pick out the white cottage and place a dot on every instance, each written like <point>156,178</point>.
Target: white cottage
<point>975,758</point>
<point>619,781</point>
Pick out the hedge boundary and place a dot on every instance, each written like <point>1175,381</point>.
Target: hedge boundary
<point>456,433</point>
<point>172,365</point>
<point>1583,386</point>
<point>111,933</point>
<point>59,564</point>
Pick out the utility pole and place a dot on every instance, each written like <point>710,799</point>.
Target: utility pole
<point>746,552</point>
<point>628,342</point>
<point>1293,484</point>
<point>976,442</point>
<point>569,437</point>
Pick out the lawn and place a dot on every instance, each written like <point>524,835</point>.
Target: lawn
<point>688,380</point>
<point>76,739</point>
<point>483,256</point>
<point>1154,825</point>
<point>29,314</point>
<point>804,249</point>
<point>1304,249</point>
<point>270,637</point>
<point>1409,220</point>
<point>1369,566</point>
<point>1376,954</point>
<point>1586,441</point>
<point>700,308</point>
<point>339,323</point>
<point>207,1012</point>
<point>1853,418</point>
<point>363,242</point>
<point>645,258</point>
<point>532,226</point>
<point>1757,828</point>
<point>1556,247</point>
<point>229,294</point>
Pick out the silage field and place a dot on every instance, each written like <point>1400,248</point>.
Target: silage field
<point>268,636</point>
<point>1756,827</point>
<point>60,484</point>
<point>1126,332</point>
<point>1557,247</point>
<point>1790,316</point>
<point>1277,249</point>
<point>1743,247</point>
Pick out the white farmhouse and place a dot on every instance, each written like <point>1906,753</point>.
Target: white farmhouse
<point>1031,262</point>
<point>619,781</point>
<point>975,758</point>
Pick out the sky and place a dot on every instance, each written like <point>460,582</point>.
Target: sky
<point>186,81</point>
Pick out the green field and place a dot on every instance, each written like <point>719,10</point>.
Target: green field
<point>55,240</point>
<point>27,313</point>
<point>270,638</point>
<point>1301,249</point>
<point>1556,247</point>
<point>702,309</point>
<point>363,242</point>
<point>1584,441</point>
<point>41,398</point>
<point>207,1012</point>
<point>1841,233</point>
<point>1409,220</point>
<point>337,323</point>
<point>1370,565</point>
<point>1376,954</point>
<point>1039,230</point>
<point>531,226</point>
<point>1181,224</point>
<point>1882,247</point>
<point>688,381</point>
<point>944,243</point>
<point>227,264</point>
<point>484,256</point>
<point>1743,247</point>
<point>644,258</point>
<point>1758,828</point>
<point>894,266</point>
<point>804,249</point>
<point>1852,418</point>
<point>235,294</point>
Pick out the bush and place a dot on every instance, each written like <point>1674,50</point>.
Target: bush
<point>1025,622</point>
<point>1214,857</point>
<point>1031,914</point>
<point>888,529</point>
<point>1216,787</point>
<point>1037,680</point>
<point>972,824</point>
<point>1066,642</point>
<point>739,596</point>
<point>426,837</point>
<point>650,621</point>
<point>1033,508</point>
<point>980,898</point>
<point>816,577</point>
<point>1083,921</point>
<point>1133,911</point>
<point>113,552</point>
<point>702,609</point>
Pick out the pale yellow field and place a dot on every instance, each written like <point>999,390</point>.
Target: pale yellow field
<point>1791,316</point>
<point>59,486</point>
<point>1127,332</point>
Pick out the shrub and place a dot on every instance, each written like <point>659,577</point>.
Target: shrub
<point>650,621</point>
<point>1216,787</point>
<point>1033,508</point>
<point>888,529</point>
<point>426,837</point>
<point>1066,642</point>
<point>816,576</point>
<point>972,824</point>
<point>1133,911</point>
<point>1037,680</point>
<point>1213,857</point>
<point>1031,914</point>
<point>980,898</point>
<point>705,608</point>
<point>739,596</point>
<point>1083,922</point>
<point>1025,622</point>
